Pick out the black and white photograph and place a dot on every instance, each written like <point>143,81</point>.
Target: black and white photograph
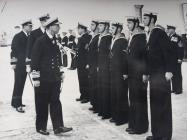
<point>93,69</point>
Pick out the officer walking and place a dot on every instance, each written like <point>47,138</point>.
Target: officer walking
<point>137,78</point>
<point>176,44</point>
<point>18,56</point>
<point>35,34</point>
<point>160,69</point>
<point>47,74</point>
<point>82,60</point>
<point>118,76</point>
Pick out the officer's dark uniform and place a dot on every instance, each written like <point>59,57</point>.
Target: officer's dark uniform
<point>46,59</point>
<point>159,62</point>
<point>104,76</point>
<point>138,113</point>
<point>35,34</point>
<point>178,49</point>
<point>119,86</point>
<point>82,58</point>
<point>18,51</point>
<point>72,45</point>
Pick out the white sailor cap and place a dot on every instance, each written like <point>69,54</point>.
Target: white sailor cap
<point>132,18</point>
<point>52,22</point>
<point>44,17</point>
<point>82,25</point>
<point>117,24</point>
<point>27,22</point>
<point>150,14</point>
<point>171,27</point>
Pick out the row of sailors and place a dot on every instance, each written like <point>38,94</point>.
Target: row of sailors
<point>108,66</point>
<point>114,72</point>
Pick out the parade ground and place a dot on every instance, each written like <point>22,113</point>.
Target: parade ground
<point>86,125</point>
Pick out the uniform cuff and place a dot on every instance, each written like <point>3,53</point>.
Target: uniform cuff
<point>28,61</point>
<point>13,61</point>
<point>35,75</point>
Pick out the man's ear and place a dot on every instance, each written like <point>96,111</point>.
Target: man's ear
<point>119,30</point>
<point>152,20</point>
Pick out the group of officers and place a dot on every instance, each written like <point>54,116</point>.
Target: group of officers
<point>113,72</point>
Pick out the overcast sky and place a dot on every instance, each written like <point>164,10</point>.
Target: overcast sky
<point>70,12</point>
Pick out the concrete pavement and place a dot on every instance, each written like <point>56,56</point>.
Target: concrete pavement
<point>87,126</point>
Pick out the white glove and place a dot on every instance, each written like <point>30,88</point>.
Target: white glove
<point>36,83</point>
<point>168,76</point>
<point>97,69</point>
<point>125,77</point>
<point>28,68</point>
<point>13,67</point>
<point>35,76</point>
<point>13,62</point>
<point>145,78</point>
<point>62,77</point>
<point>87,66</point>
<point>179,61</point>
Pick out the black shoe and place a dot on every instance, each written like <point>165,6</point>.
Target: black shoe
<point>78,99</point>
<point>99,114</point>
<point>141,132</point>
<point>95,112</point>
<point>43,132</point>
<point>62,130</point>
<point>120,123</point>
<point>105,117</point>
<point>23,105</point>
<point>150,138</point>
<point>172,91</point>
<point>84,101</point>
<point>91,109</point>
<point>166,138</point>
<point>128,129</point>
<point>132,132</point>
<point>112,120</point>
<point>66,129</point>
<point>20,110</point>
<point>179,92</point>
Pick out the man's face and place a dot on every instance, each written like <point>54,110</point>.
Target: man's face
<point>28,28</point>
<point>80,31</point>
<point>70,31</point>
<point>113,29</point>
<point>146,20</point>
<point>43,22</point>
<point>170,31</point>
<point>92,26</point>
<point>55,28</point>
<point>130,25</point>
<point>101,28</point>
